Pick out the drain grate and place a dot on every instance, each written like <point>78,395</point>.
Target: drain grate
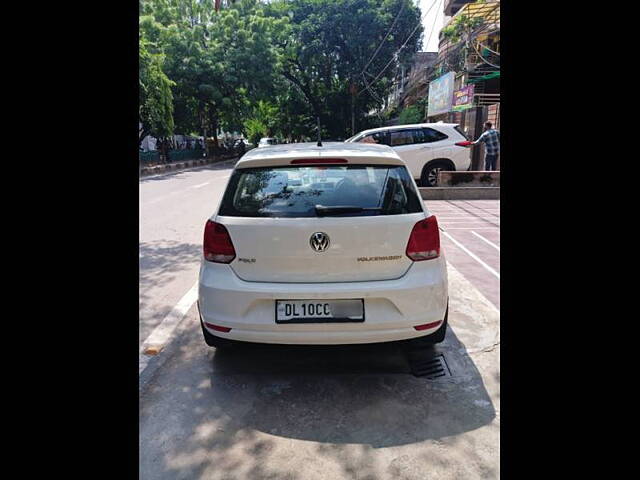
<point>430,366</point>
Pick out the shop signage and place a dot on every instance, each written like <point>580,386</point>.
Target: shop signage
<point>441,94</point>
<point>463,98</point>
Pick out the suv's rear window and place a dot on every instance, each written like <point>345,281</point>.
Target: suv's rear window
<point>296,191</point>
<point>461,132</point>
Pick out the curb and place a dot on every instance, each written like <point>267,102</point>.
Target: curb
<point>460,193</point>
<point>172,167</point>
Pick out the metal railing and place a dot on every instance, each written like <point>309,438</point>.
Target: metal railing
<point>153,157</point>
<point>148,157</point>
<point>180,155</point>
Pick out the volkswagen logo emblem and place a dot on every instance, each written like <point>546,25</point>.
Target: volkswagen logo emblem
<point>319,241</point>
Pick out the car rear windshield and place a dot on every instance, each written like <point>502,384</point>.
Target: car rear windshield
<point>310,191</point>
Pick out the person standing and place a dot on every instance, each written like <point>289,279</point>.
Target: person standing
<point>491,139</point>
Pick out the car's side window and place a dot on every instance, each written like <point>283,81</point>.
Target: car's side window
<point>378,137</point>
<point>419,136</point>
<point>401,137</point>
<point>431,135</point>
<point>367,139</point>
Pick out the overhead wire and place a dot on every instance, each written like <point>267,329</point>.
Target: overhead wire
<point>385,37</point>
<point>403,45</point>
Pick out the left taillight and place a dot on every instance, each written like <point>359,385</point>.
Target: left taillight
<point>466,143</point>
<point>217,245</point>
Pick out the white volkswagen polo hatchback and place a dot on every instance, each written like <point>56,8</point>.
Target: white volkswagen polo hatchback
<point>322,245</point>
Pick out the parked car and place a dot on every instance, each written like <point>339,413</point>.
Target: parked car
<point>267,141</point>
<point>322,245</point>
<point>426,148</point>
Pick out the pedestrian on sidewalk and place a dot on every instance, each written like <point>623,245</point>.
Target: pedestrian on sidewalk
<point>491,139</point>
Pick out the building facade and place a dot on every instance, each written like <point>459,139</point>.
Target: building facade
<point>469,46</point>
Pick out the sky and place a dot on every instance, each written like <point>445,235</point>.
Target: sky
<point>427,21</point>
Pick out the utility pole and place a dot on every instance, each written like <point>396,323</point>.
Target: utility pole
<point>353,115</point>
<point>354,90</point>
<point>204,129</point>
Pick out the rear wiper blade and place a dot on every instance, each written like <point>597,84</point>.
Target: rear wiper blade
<point>322,210</point>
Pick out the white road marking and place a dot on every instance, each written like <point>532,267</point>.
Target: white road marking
<point>472,255</point>
<point>162,333</point>
<point>485,240</point>
<point>200,185</point>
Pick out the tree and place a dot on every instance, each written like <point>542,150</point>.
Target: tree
<point>155,97</point>
<point>307,58</point>
<point>327,53</point>
<point>221,61</point>
<point>412,114</point>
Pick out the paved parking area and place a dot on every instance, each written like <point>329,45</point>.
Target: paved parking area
<point>471,241</point>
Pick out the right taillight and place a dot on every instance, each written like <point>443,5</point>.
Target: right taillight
<point>424,242</point>
<point>217,244</point>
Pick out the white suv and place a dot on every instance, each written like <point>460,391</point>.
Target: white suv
<point>322,245</point>
<point>426,148</point>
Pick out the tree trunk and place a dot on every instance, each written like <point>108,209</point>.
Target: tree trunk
<point>205,146</point>
<point>142,137</point>
<point>306,91</point>
<point>214,124</point>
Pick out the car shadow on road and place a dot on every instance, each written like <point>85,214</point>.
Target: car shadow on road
<point>361,394</point>
<point>242,414</point>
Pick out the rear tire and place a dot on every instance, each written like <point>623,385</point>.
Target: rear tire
<point>429,177</point>
<point>215,341</point>
<point>430,340</point>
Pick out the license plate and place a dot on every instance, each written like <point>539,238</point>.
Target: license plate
<point>319,311</point>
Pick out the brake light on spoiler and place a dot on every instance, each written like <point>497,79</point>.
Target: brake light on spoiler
<point>316,161</point>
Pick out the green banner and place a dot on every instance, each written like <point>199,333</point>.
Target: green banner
<point>486,77</point>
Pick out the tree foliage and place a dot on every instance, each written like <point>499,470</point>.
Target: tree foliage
<point>220,61</point>
<point>412,114</point>
<point>328,44</point>
<point>274,66</point>
<point>155,102</point>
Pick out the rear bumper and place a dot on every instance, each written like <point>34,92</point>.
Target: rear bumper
<point>392,307</point>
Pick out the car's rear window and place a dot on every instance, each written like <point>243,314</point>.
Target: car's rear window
<point>297,191</point>
<point>461,132</point>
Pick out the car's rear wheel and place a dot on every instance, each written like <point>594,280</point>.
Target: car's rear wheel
<point>429,177</point>
<point>430,340</point>
<point>214,341</point>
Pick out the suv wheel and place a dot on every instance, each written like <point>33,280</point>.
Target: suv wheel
<point>429,177</point>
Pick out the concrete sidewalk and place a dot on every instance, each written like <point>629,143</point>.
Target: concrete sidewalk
<point>460,193</point>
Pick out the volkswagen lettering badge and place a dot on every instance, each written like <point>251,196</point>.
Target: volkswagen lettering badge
<point>319,241</point>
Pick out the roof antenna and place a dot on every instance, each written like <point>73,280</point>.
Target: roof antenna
<point>319,139</point>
